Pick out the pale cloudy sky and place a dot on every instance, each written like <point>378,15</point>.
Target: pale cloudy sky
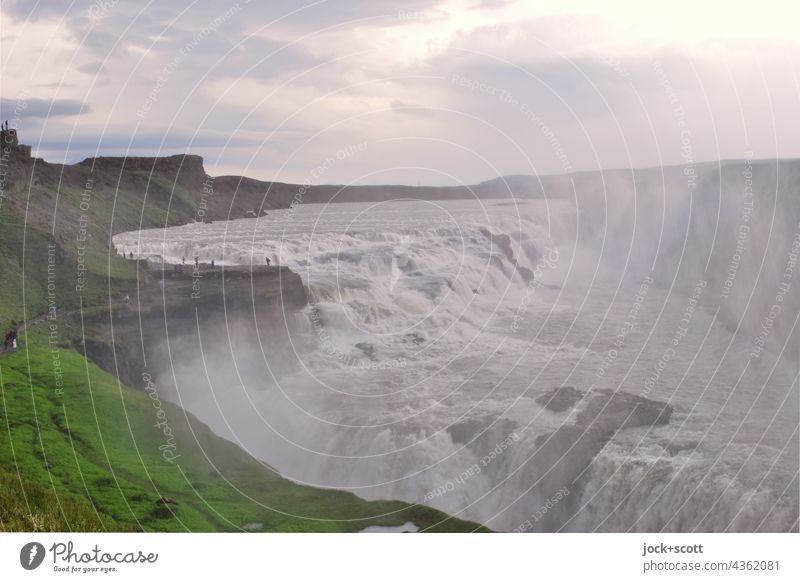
<point>413,91</point>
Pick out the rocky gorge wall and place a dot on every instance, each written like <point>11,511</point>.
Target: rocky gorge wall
<point>178,317</point>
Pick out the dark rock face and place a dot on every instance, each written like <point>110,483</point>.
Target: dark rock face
<point>15,161</point>
<point>562,457</point>
<point>616,410</point>
<point>559,465</point>
<point>503,241</point>
<point>553,467</point>
<point>183,169</point>
<point>494,441</point>
<point>414,338</point>
<point>10,146</point>
<point>194,311</point>
<point>8,138</point>
<point>560,399</point>
<point>479,429</point>
<point>367,349</point>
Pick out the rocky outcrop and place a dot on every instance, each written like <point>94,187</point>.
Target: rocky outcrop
<point>503,242</point>
<point>490,429</point>
<point>560,399</point>
<point>15,161</point>
<point>183,314</point>
<point>612,410</point>
<point>552,467</point>
<point>184,169</point>
<point>562,457</point>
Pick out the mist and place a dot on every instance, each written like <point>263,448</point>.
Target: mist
<point>619,354</point>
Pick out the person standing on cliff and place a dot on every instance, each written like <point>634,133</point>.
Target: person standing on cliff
<point>14,333</point>
<point>268,261</point>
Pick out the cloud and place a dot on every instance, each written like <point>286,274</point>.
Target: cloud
<point>408,108</point>
<point>90,68</point>
<point>148,141</point>
<point>326,74</point>
<point>33,108</point>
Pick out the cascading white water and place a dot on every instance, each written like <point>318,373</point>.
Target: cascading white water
<point>433,329</point>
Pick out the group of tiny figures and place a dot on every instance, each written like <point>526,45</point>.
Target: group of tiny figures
<point>196,262</point>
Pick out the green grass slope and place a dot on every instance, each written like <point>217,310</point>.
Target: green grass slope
<point>92,457</point>
<point>28,507</point>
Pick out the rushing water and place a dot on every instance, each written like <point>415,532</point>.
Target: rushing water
<point>432,330</point>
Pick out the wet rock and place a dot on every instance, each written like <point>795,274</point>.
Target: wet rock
<point>253,301</point>
<point>465,431</point>
<point>560,399</point>
<point>367,349</point>
<point>618,410</point>
<point>673,448</point>
<point>525,273</point>
<point>491,442</point>
<point>503,241</point>
<point>562,458</point>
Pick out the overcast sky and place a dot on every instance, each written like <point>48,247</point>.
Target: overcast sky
<point>417,91</point>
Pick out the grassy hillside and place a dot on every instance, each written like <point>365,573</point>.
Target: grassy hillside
<point>92,455</point>
<point>28,507</point>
